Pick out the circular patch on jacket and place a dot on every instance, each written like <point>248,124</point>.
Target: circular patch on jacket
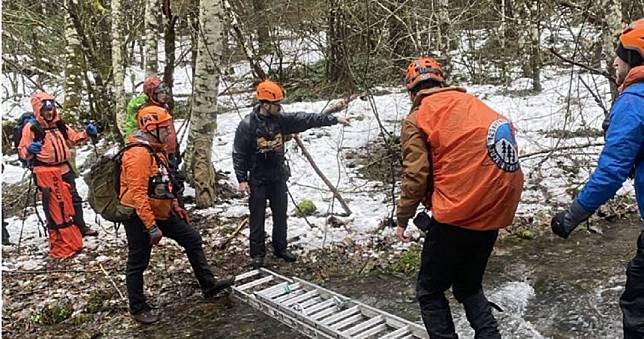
<point>502,146</point>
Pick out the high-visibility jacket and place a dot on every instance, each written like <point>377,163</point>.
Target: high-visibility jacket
<point>460,158</point>
<point>138,168</point>
<point>55,151</point>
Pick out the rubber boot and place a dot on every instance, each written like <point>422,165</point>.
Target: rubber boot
<point>478,311</point>
<point>437,317</point>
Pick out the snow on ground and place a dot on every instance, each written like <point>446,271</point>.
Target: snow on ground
<point>564,104</point>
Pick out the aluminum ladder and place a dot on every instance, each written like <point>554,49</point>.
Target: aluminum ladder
<point>318,312</point>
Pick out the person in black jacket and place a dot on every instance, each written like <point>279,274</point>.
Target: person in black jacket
<point>260,167</point>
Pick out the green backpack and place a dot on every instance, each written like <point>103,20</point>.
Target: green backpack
<point>132,108</point>
<point>104,181</point>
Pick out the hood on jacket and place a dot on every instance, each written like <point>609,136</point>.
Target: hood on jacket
<point>140,136</point>
<point>36,104</point>
<point>635,75</point>
<point>149,85</point>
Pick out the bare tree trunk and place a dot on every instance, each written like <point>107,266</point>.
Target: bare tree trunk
<point>117,66</point>
<point>337,68</point>
<point>73,70</point>
<point>262,26</point>
<point>444,27</point>
<point>204,101</point>
<point>169,45</point>
<point>612,26</point>
<point>151,36</point>
<point>400,36</point>
<point>535,45</point>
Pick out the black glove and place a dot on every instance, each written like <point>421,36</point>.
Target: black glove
<point>422,220</point>
<point>564,222</point>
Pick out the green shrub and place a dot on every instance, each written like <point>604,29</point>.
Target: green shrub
<point>305,208</point>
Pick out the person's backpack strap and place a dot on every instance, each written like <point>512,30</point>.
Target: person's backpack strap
<point>39,132</point>
<point>117,163</point>
<point>62,128</point>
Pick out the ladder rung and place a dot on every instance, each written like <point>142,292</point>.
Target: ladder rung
<point>255,283</point>
<point>397,333</point>
<point>309,294</point>
<point>310,302</point>
<point>276,290</point>
<point>267,292</point>
<point>295,292</point>
<point>246,275</point>
<point>320,306</point>
<point>362,326</point>
<point>319,315</point>
<point>341,315</point>
<point>347,321</point>
<point>371,331</point>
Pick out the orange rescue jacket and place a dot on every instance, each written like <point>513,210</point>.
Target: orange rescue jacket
<point>55,151</point>
<point>476,180</point>
<point>137,167</point>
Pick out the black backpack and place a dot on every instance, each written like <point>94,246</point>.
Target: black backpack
<point>39,132</point>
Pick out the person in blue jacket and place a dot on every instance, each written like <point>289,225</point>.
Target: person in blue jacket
<point>622,153</point>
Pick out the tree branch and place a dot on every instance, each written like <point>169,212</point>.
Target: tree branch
<point>584,66</point>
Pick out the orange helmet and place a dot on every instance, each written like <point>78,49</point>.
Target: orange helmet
<point>425,68</point>
<point>269,91</point>
<point>632,40</point>
<point>151,117</point>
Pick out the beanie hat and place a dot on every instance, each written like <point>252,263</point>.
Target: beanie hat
<point>631,57</point>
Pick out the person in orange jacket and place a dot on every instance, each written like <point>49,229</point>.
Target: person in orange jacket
<point>460,158</point>
<point>146,186</point>
<point>44,143</point>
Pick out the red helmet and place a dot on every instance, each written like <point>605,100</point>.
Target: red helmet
<point>425,68</point>
<point>269,91</point>
<point>150,84</point>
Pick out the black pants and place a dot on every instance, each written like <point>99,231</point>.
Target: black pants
<point>455,257</point>
<point>139,249</point>
<point>632,300</point>
<point>275,192</point>
<point>77,201</point>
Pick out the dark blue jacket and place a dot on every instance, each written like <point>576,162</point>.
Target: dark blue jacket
<point>624,149</point>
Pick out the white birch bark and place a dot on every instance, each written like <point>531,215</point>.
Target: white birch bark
<point>613,26</point>
<point>117,65</point>
<point>152,9</point>
<point>72,71</point>
<point>204,101</point>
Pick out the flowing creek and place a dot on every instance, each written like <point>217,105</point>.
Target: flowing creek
<point>548,288</point>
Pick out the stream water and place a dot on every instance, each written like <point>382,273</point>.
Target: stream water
<point>548,288</point>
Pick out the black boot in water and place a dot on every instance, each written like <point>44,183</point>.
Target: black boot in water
<point>478,311</point>
<point>437,317</point>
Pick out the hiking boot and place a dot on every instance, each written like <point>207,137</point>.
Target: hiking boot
<point>219,286</point>
<point>287,256</point>
<point>146,317</point>
<point>88,231</point>
<point>257,262</point>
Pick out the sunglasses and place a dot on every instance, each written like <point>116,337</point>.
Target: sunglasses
<point>48,105</point>
<point>162,88</point>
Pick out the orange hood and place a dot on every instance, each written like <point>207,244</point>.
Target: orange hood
<point>635,75</point>
<point>36,103</point>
